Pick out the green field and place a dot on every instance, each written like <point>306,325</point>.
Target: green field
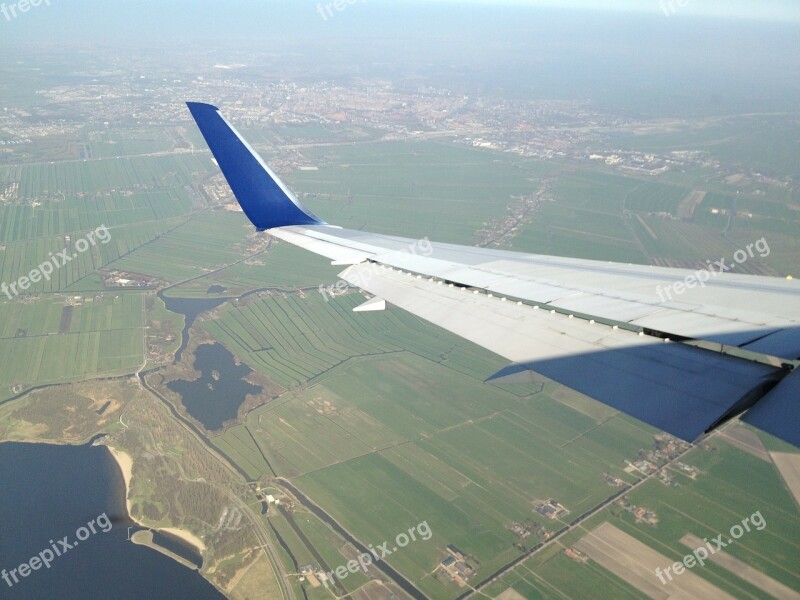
<point>281,266</point>
<point>76,196</point>
<point>419,437</point>
<point>207,242</point>
<point>41,344</point>
<point>414,189</point>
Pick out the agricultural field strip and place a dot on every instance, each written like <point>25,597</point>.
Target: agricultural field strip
<point>788,464</point>
<point>309,441</point>
<point>302,353</point>
<point>755,500</point>
<point>504,447</point>
<point>743,571</point>
<point>503,517</point>
<point>557,576</point>
<point>627,557</point>
<point>499,516</point>
<point>723,508</point>
<point>734,518</point>
<point>699,497</point>
<point>486,478</point>
<point>220,440</point>
<point>621,588</point>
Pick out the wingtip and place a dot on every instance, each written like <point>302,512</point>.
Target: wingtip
<point>201,106</point>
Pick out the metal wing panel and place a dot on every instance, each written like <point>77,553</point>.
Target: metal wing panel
<point>517,332</point>
<point>666,386</point>
<point>615,309</point>
<point>703,327</point>
<point>336,252</point>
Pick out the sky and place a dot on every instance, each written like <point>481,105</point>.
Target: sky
<point>784,10</point>
<point>142,21</point>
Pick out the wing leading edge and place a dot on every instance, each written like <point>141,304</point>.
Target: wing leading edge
<point>683,365</point>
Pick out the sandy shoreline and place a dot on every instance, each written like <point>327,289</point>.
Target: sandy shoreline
<point>186,536</point>
<point>125,463</point>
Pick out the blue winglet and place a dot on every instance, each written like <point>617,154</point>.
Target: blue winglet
<point>266,201</point>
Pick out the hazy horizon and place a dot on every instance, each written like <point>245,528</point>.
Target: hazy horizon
<point>647,64</point>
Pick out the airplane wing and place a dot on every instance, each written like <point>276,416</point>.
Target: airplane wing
<point>683,351</point>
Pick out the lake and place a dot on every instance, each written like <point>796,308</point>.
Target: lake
<point>221,389</point>
<point>49,492</point>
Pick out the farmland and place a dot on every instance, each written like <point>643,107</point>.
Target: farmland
<point>207,242</point>
<point>281,266</point>
<point>82,195</point>
<point>20,258</point>
<point>414,433</point>
<point>414,189</point>
<point>51,341</point>
<point>381,419</point>
<point>732,485</point>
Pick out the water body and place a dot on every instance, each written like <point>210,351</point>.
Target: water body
<point>190,308</point>
<point>221,389</point>
<point>49,492</point>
